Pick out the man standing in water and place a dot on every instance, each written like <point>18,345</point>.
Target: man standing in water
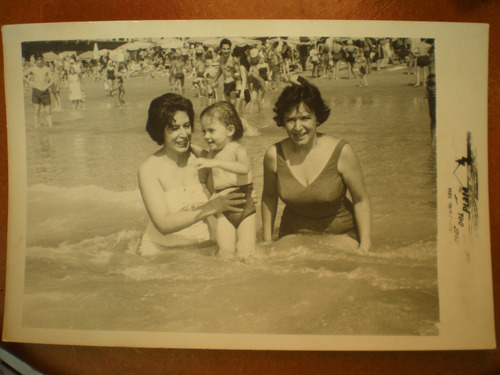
<point>40,81</point>
<point>226,69</point>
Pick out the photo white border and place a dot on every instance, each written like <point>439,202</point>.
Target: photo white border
<point>464,263</point>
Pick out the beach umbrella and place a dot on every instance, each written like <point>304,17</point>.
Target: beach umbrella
<point>67,53</point>
<point>117,55</point>
<point>170,43</point>
<point>89,55</point>
<point>238,41</point>
<point>50,56</point>
<point>212,42</point>
<point>198,39</point>
<point>134,46</point>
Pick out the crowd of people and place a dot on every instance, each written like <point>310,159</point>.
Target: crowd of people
<point>247,70</point>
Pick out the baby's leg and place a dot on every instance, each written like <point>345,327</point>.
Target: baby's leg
<point>246,238</point>
<point>226,237</point>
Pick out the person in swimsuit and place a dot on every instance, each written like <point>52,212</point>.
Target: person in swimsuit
<point>179,73</point>
<point>209,76</point>
<point>39,77</point>
<point>121,90</point>
<point>314,58</point>
<point>242,96</point>
<point>226,69</point>
<point>274,61</point>
<point>338,55</point>
<point>110,77</point>
<point>228,166</point>
<point>172,188</point>
<point>350,57</point>
<point>256,83</point>
<point>423,61</point>
<point>312,173</point>
<point>367,53</point>
<point>362,69</point>
<point>55,89</point>
<point>198,72</point>
<point>286,58</point>
<point>324,53</point>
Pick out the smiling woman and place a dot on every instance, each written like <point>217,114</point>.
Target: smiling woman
<point>178,203</point>
<point>311,173</point>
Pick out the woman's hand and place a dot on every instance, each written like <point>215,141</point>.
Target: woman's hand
<point>226,200</point>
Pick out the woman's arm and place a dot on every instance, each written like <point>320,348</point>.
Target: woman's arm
<point>351,171</point>
<point>166,222</point>
<point>243,74</point>
<point>269,194</point>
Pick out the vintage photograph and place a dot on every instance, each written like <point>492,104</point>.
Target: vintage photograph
<point>262,183</point>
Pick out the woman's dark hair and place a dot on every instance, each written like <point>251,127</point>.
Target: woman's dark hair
<point>238,51</point>
<point>227,115</point>
<point>241,52</point>
<point>295,94</point>
<point>161,114</point>
<point>225,41</point>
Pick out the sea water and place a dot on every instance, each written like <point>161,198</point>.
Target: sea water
<point>86,217</point>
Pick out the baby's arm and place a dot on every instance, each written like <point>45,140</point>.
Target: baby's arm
<point>197,150</point>
<point>240,166</point>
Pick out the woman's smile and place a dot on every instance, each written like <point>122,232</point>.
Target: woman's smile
<point>300,124</point>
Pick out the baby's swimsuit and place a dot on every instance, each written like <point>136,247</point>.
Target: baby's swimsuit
<point>248,207</point>
<point>322,206</point>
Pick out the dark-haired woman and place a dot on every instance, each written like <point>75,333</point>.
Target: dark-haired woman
<point>242,94</point>
<point>311,173</point>
<point>176,200</point>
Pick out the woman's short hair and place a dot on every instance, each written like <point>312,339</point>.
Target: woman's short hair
<point>225,41</point>
<point>295,94</point>
<point>161,114</point>
<point>238,51</point>
<point>227,115</point>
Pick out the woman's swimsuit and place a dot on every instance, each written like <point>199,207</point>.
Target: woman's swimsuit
<point>322,206</point>
<point>111,74</point>
<point>350,55</point>
<point>178,199</point>
<point>248,207</point>
<point>423,61</point>
<point>339,54</point>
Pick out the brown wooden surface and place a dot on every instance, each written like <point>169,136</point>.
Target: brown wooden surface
<point>52,359</point>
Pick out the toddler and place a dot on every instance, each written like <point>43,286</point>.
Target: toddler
<point>230,169</point>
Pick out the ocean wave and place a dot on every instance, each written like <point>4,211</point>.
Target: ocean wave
<point>72,214</point>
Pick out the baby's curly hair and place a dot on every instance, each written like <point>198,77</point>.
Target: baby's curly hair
<point>161,114</point>
<point>305,93</point>
<point>227,115</point>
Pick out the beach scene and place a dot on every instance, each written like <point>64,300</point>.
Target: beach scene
<point>86,217</point>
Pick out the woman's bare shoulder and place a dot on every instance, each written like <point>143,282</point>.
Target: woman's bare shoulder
<point>151,164</point>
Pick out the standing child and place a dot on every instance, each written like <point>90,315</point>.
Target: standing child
<point>209,76</point>
<point>121,90</point>
<point>362,70</point>
<point>75,88</point>
<point>230,169</point>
